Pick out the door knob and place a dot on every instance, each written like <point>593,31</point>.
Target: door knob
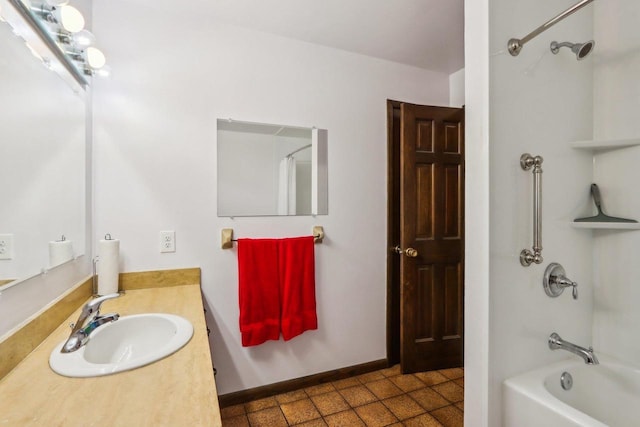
<point>410,252</point>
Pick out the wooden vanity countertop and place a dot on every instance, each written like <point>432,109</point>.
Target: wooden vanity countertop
<point>178,390</point>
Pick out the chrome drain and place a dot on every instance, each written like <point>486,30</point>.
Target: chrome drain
<point>566,381</point>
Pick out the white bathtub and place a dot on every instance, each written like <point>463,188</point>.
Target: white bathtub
<point>607,394</point>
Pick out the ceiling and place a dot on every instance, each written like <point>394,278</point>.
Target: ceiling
<point>427,34</point>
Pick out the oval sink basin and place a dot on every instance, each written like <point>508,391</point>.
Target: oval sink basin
<point>127,343</point>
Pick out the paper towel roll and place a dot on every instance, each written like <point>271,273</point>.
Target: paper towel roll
<point>60,251</point>
<point>108,266</point>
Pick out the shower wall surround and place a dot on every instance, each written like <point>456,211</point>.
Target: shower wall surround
<point>524,98</point>
<point>616,94</point>
<point>155,119</point>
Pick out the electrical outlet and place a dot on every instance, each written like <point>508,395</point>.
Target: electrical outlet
<point>167,241</point>
<point>6,246</point>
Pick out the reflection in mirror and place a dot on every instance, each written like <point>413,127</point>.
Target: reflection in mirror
<point>42,140</point>
<point>266,169</point>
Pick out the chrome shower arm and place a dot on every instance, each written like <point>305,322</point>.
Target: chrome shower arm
<point>515,45</point>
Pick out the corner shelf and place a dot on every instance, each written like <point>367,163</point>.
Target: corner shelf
<point>600,145</point>
<point>607,225</point>
<point>595,145</point>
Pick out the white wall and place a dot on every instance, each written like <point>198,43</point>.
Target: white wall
<point>537,103</point>
<point>476,294</point>
<point>456,88</point>
<point>616,95</point>
<point>174,73</point>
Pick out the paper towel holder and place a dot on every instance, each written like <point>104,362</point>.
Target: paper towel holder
<point>94,277</point>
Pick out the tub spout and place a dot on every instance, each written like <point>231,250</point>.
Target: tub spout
<point>555,343</point>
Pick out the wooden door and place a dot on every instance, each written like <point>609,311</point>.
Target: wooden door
<point>431,219</point>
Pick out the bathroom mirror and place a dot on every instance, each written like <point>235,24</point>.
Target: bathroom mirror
<point>266,169</point>
<point>42,140</point>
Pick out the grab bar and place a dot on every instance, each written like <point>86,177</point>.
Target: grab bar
<point>527,161</point>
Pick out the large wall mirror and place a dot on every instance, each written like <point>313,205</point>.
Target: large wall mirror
<point>266,169</point>
<point>43,146</point>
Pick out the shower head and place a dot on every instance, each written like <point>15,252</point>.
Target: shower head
<point>580,49</point>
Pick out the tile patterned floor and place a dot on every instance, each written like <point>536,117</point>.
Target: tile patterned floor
<point>377,399</point>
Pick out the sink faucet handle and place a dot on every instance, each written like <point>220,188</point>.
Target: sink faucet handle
<point>93,306</point>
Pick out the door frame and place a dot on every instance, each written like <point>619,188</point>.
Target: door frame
<point>393,231</point>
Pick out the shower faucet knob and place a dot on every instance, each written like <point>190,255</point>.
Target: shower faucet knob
<point>555,281</point>
<point>563,282</point>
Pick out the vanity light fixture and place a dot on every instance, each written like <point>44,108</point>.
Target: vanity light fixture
<point>76,55</point>
<point>63,37</point>
<point>64,24</point>
<point>67,17</point>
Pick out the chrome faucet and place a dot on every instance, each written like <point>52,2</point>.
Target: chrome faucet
<point>88,321</point>
<point>555,343</point>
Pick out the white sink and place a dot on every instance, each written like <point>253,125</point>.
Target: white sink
<point>127,343</point>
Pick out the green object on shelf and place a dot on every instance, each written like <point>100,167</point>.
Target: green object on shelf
<point>601,217</point>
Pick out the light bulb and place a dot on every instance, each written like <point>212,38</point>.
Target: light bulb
<point>95,58</point>
<point>104,71</point>
<point>71,19</point>
<point>84,38</point>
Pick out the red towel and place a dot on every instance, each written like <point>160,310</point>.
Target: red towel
<point>297,286</point>
<point>259,291</point>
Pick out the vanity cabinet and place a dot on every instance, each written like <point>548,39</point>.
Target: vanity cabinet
<point>178,390</point>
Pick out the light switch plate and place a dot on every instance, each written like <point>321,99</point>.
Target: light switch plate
<point>6,246</point>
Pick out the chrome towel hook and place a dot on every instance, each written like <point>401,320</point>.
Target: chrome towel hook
<point>527,162</point>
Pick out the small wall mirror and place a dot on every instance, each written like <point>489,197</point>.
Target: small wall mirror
<point>266,169</point>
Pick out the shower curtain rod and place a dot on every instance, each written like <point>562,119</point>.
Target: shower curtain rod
<point>515,45</point>
<point>299,149</point>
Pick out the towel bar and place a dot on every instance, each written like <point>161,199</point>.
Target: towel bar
<point>226,237</point>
